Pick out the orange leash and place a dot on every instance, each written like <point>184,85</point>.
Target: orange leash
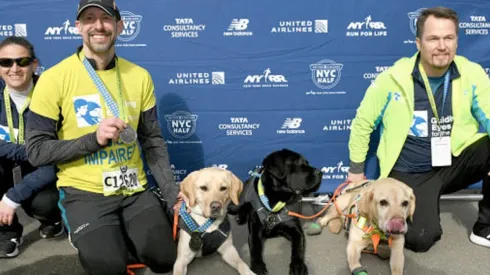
<point>332,199</point>
<point>134,266</point>
<point>175,225</point>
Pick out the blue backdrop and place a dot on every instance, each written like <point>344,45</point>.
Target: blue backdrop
<point>236,80</point>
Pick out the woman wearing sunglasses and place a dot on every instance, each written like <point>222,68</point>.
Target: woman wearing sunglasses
<point>21,184</point>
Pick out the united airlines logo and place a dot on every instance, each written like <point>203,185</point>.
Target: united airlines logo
<point>181,124</point>
<point>326,73</point>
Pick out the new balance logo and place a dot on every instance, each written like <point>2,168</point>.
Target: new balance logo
<point>291,125</point>
<point>238,25</point>
<point>237,28</point>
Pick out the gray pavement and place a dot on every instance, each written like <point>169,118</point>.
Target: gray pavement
<point>454,254</point>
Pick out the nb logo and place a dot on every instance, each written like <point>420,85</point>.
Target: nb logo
<point>292,123</point>
<point>238,25</point>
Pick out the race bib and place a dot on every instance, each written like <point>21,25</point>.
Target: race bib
<point>123,180</point>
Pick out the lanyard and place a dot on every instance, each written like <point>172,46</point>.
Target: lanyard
<point>10,121</point>
<point>428,89</point>
<point>103,90</point>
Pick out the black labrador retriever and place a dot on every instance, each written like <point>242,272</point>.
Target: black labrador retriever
<point>274,189</point>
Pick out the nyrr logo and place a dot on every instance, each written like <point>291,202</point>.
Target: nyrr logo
<point>291,125</point>
<point>335,172</point>
<point>65,32</point>
<point>238,27</point>
<point>265,80</point>
<point>13,30</point>
<point>326,73</point>
<point>132,27</point>
<point>412,16</point>
<point>181,124</point>
<point>366,28</point>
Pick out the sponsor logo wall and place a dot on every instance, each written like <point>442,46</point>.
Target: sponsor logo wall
<point>234,84</point>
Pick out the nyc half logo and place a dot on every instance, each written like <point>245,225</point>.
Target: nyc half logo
<point>181,124</point>
<point>132,26</point>
<point>420,124</point>
<point>326,73</point>
<point>413,16</point>
<point>87,110</point>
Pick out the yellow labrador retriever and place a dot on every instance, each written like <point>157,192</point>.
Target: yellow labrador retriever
<point>384,206</point>
<point>206,229</point>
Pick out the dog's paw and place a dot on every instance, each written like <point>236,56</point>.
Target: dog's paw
<point>259,268</point>
<point>298,268</point>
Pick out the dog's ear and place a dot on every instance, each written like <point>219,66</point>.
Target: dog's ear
<point>366,206</point>
<point>411,205</point>
<point>187,187</point>
<point>236,188</point>
<point>275,164</point>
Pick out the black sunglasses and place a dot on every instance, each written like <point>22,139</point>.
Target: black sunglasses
<point>21,62</point>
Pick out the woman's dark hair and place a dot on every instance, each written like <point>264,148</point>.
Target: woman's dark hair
<point>21,41</point>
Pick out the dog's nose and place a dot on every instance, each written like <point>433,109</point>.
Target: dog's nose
<point>215,206</point>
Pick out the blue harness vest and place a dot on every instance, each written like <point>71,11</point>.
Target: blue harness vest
<point>268,218</point>
<point>211,241</point>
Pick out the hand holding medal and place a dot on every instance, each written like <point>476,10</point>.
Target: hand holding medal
<point>124,132</point>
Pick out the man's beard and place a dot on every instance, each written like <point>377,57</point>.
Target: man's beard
<point>100,48</point>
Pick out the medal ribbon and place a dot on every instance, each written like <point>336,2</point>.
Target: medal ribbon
<point>10,121</point>
<point>428,89</point>
<point>103,90</point>
<point>189,221</point>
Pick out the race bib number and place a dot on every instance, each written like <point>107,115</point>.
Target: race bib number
<point>123,180</point>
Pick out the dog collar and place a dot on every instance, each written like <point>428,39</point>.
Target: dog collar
<point>191,223</point>
<point>372,232</point>
<point>265,201</point>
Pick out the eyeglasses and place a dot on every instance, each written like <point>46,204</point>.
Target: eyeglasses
<point>21,62</point>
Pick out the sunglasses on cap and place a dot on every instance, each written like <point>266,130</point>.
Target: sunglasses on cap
<point>21,62</point>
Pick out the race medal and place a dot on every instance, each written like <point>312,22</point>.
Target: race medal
<point>196,241</point>
<point>128,135</point>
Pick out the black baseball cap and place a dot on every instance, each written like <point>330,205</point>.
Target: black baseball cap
<point>109,6</point>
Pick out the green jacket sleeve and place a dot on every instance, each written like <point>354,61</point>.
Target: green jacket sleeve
<point>480,106</point>
<point>368,116</point>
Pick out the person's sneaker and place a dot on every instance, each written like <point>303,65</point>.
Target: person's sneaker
<point>48,230</point>
<point>10,248</point>
<point>480,234</point>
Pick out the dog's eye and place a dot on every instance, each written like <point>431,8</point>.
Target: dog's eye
<point>404,203</point>
<point>204,188</point>
<point>223,188</point>
<point>383,202</point>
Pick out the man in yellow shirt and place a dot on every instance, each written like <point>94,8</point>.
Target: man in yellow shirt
<point>92,113</point>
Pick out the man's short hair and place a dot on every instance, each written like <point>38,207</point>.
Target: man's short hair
<point>437,12</point>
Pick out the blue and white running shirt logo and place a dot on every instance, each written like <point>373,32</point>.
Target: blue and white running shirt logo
<point>419,126</point>
<point>88,110</point>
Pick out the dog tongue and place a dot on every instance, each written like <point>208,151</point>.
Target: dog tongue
<point>396,225</point>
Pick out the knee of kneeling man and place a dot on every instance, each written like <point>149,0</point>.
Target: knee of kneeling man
<point>421,243</point>
<point>96,264</point>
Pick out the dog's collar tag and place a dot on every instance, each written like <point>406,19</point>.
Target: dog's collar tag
<point>196,241</point>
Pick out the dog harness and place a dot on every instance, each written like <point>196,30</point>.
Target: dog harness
<point>211,241</point>
<point>371,230</point>
<point>269,216</point>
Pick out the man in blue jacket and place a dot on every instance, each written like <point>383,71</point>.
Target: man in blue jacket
<point>21,184</point>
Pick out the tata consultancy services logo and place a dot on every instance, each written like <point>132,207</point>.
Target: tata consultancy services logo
<point>181,124</point>
<point>326,73</point>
